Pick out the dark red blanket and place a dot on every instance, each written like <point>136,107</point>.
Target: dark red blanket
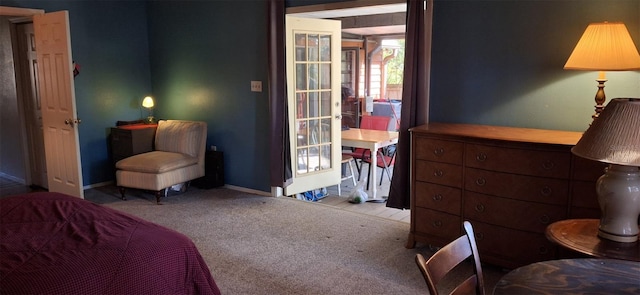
<point>56,244</point>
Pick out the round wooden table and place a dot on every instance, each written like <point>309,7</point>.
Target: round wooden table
<point>581,235</point>
<point>572,276</point>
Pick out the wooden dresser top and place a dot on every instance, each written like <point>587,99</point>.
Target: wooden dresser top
<point>501,133</point>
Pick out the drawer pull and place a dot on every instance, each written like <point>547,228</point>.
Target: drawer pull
<point>437,223</point>
<point>438,173</point>
<point>544,219</point>
<point>479,236</point>
<point>480,208</point>
<point>481,181</point>
<point>481,157</point>
<point>438,152</point>
<point>546,191</point>
<point>437,197</point>
<point>543,250</point>
<point>548,165</point>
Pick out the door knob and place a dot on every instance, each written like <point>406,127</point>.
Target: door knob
<point>72,121</point>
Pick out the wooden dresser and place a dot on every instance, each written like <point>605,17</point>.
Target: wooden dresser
<point>510,183</point>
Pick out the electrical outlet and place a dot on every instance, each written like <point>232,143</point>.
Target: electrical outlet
<point>256,86</point>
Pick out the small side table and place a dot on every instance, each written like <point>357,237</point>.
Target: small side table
<point>581,235</point>
<point>213,171</point>
<point>128,140</point>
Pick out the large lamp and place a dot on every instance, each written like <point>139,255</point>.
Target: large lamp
<point>604,47</point>
<point>614,138</point>
<point>147,103</point>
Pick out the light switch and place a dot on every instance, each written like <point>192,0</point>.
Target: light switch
<point>256,86</point>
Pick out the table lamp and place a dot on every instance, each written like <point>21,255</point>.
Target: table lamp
<point>147,103</point>
<point>604,47</point>
<point>614,138</point>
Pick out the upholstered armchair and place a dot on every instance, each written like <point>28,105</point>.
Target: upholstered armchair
<point>178,157</point>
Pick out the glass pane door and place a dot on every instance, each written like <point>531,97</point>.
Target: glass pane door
<point>313,102</point>
<point>313,87</point>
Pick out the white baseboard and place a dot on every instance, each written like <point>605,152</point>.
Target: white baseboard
<point>99,184</point>
<point>233,187</point>
<point>247,190</point>
<point>277,191</point>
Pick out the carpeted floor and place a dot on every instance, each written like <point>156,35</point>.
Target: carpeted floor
<point>261,245</point>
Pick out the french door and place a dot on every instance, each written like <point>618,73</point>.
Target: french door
<point>313,49</point>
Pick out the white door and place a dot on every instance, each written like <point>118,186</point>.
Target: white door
<point>313,89</point>
<point>55,77</point>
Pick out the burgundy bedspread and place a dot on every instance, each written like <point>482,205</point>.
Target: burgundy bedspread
<point>56,244</point>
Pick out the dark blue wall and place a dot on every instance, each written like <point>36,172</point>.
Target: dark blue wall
<point>494,62</point>
<point>501,62</point>
<point>203,56</point>
<point>109,42</point>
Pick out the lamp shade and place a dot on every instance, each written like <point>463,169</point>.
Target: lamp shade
<point>147,102</point>
<point>605,47</point>
<point>614,137</point>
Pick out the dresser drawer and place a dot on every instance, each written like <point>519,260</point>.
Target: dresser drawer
<point>511,248</point>
<point>554,164</point>
<point>435,223</point>
<point>440,173</point>
<point>584,200</point>
<point>438,150</point>
<point>587,170</point>
<point>520,215</point>
<point>582,213</point>
<point>583,194</point>
<point>438,197</point>
<point>514,186</point>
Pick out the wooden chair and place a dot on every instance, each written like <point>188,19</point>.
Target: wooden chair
<point>448,257</point>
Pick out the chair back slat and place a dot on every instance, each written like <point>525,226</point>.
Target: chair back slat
<point>447,258</point>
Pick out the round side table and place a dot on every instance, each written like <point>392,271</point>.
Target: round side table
<point>581,235</point>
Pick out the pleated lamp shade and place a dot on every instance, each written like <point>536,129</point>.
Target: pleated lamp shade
<point>604,47</point>
<point>614,137</point>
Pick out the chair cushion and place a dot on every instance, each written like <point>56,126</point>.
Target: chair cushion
<point>179,137</point>
<point>156,162</point>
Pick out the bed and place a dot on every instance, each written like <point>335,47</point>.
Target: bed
<point>57,244</point>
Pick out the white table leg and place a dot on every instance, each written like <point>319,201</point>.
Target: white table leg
<point>372,177</point>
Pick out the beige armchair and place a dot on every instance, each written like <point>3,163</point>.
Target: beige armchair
<point>178,157</point>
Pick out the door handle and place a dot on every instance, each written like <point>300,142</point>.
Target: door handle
<point>71,122</point>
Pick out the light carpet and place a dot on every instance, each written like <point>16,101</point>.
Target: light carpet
<point>262,245</point>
